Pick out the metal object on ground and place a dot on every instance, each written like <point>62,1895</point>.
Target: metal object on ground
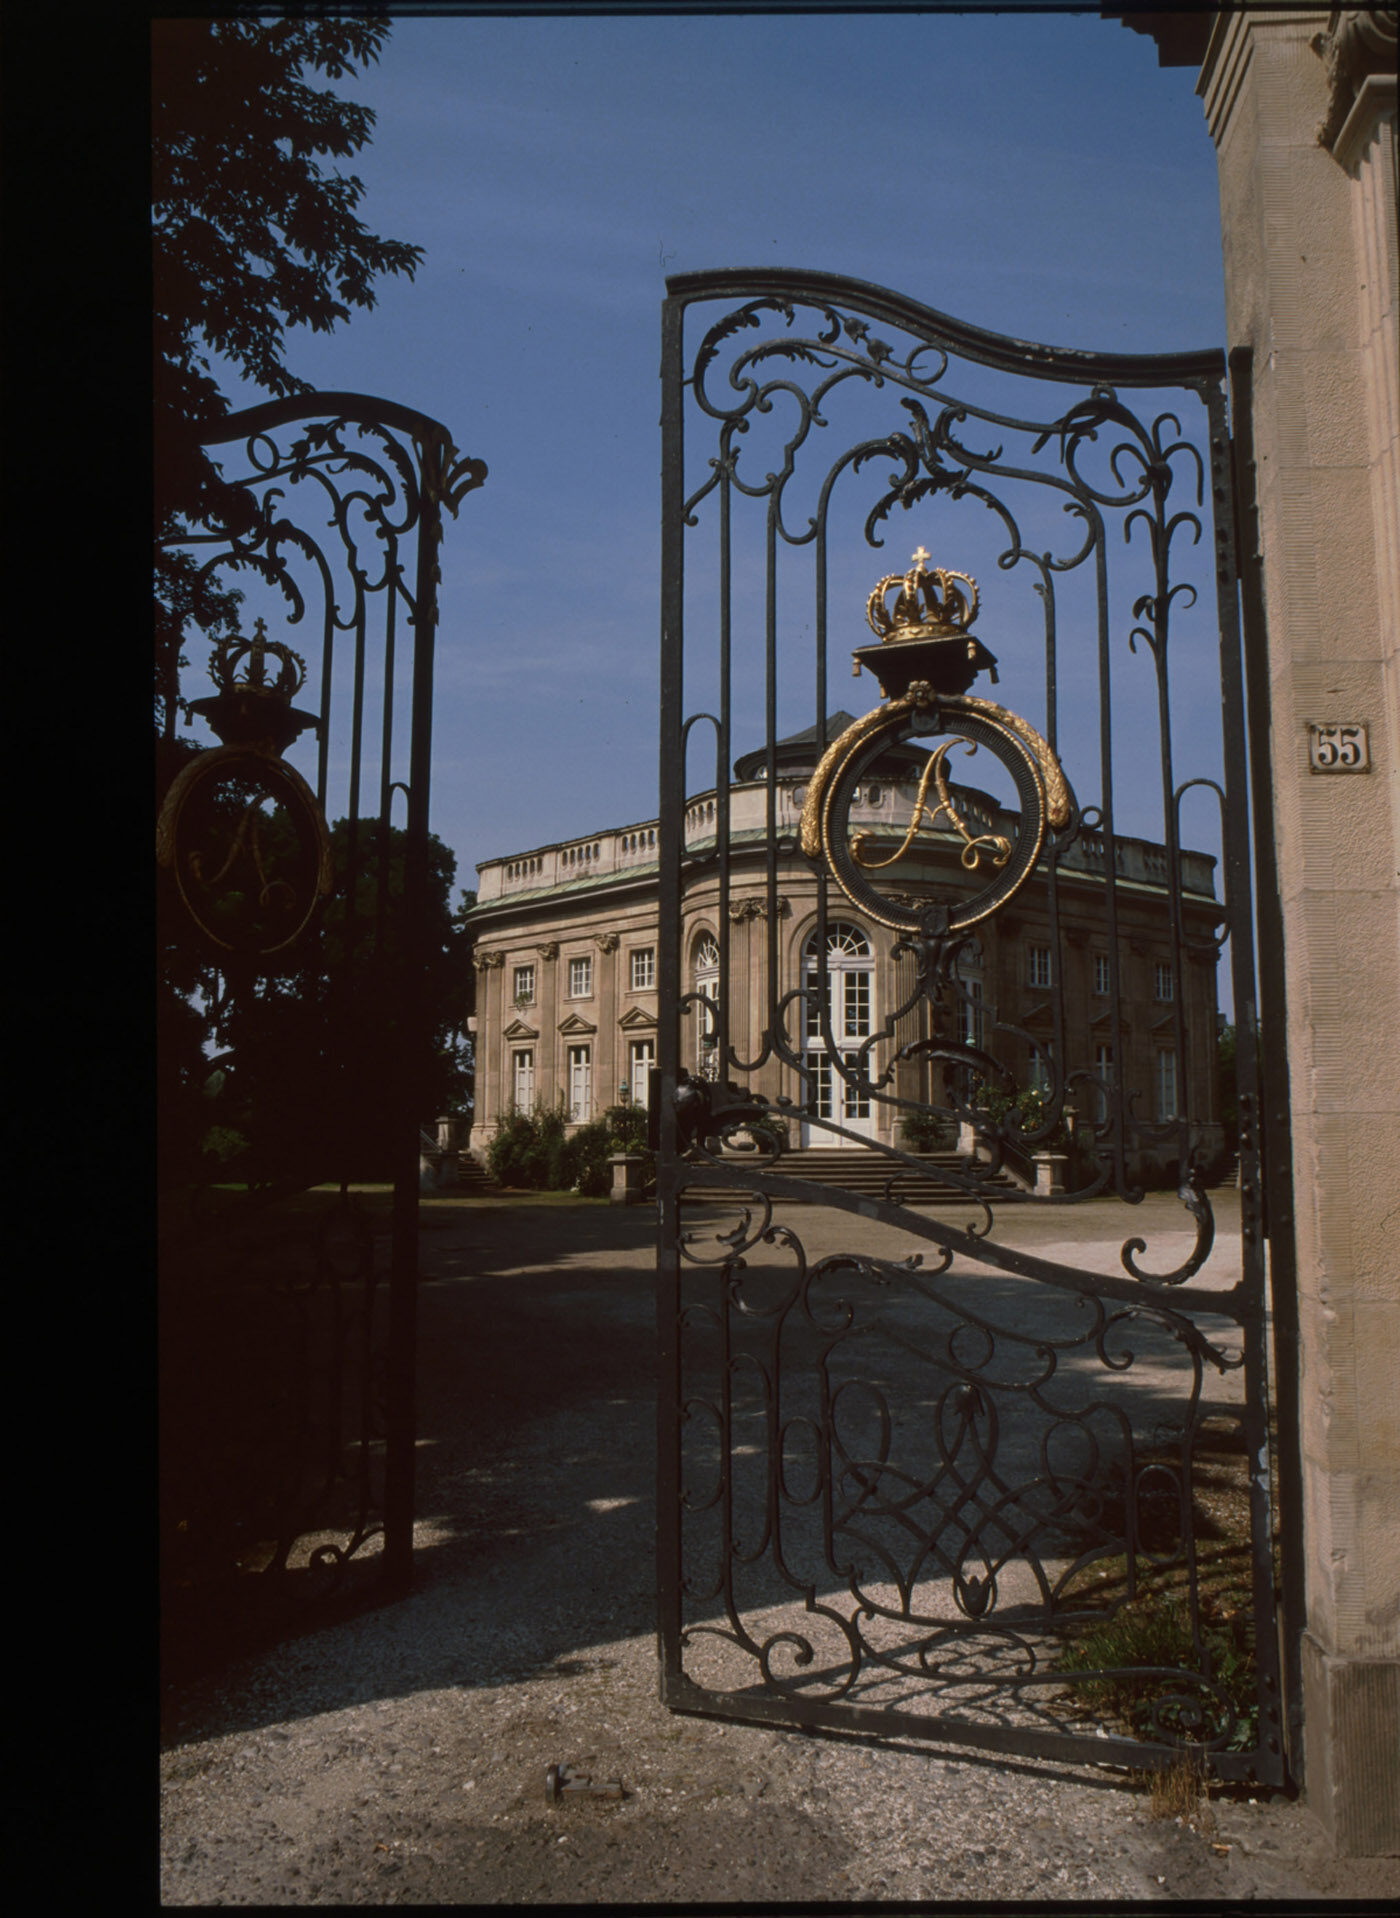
<point>558,1780</point>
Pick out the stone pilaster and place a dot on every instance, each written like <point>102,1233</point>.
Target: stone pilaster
<point>490,976</point>
<point>547,1070</point>
<point>607,1072</point>
<point>1303,120</point>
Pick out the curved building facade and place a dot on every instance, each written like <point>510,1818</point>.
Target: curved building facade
<point>567,958</point>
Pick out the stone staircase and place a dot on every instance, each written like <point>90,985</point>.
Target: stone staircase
<point>473,1180</point>
<point>870,1174</point>
<point>850,1167</point>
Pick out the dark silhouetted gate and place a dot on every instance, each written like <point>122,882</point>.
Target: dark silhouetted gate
<point>294,904</point>
<point>964,1429</point>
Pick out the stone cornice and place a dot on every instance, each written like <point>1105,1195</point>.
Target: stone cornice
<point>1375,102</point>
<point>1358,45</point>
<point>524,907</point>
<point>752,908</point>
<point>1230,50</point>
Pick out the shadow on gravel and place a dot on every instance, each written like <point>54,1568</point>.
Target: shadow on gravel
<point>536,1461</point>
<point>535,1486</point>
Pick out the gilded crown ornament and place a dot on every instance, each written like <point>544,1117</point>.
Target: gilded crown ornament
<point>930,605</point>
<point>924,634</point>
<point>253,706</point>
<point>230,654</point>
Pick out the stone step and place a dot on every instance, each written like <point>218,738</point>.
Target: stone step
<point>472,1177</point>
<point>870,1174</point>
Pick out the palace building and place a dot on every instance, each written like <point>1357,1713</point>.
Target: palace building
<point>567,958</point>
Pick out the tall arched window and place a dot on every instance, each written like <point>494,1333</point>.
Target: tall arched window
<point>844,989</point>
<point>705,978</point>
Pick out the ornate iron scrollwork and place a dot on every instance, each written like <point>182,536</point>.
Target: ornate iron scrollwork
<point>240,830</point>
<point>902,1496</point>
<point>926,659</point>
<point>707,1110</point>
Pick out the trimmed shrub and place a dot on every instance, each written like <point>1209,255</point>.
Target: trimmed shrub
<point>926,1131</point>
<point>585,1167</point>
<point>533,1150</point>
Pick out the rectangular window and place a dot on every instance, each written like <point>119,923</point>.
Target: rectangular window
<point>523,1078</point>
<point>847,998</point>
<point>1103,1069</point>
<point>1040,1074</point>
<point>834,1092</point>
<point>1101,974</point>
<point>580,978</point>
<point>971,1017</point>
<point>822,1064</point>
<point>580,1082</point>
<point>641,1057</point>
<point>524,994</point>
<point>644,969</point>
<point>814,1008</point>
<point>1166,1094</point>
<point>1163,984</point>
<point>1038,965</point>
<point>855,1002</point>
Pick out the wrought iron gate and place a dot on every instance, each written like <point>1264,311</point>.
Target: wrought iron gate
<point>288,1328</point>
<point>963,1433</point>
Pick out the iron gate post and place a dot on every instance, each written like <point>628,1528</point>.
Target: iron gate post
<point>662,1113</point>
<point>1275,1126</point>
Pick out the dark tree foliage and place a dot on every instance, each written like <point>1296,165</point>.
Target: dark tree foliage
<point>251,235</point>
<point>317,1059</point>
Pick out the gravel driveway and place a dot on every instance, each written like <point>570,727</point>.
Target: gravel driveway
<point>400,1756</point>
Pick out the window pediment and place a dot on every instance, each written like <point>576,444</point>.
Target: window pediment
<point>573,1024</point>
<point>517,1029</point>
<point>638,1018</point>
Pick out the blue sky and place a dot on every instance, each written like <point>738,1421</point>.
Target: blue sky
<point>1037,175</point>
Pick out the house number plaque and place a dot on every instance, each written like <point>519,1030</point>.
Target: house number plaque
<point>1338,749</point>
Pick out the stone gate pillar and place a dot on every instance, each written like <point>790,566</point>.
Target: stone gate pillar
<point>1301,106</point>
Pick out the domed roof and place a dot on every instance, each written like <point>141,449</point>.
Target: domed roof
<point>799,753</point>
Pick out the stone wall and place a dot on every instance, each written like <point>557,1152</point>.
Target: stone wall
<point>1301,106</point>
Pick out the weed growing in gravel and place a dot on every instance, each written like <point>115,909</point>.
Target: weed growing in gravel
<point>1130,1648</point>
<point>1142,1645</point>
<point>1179,1791</point>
